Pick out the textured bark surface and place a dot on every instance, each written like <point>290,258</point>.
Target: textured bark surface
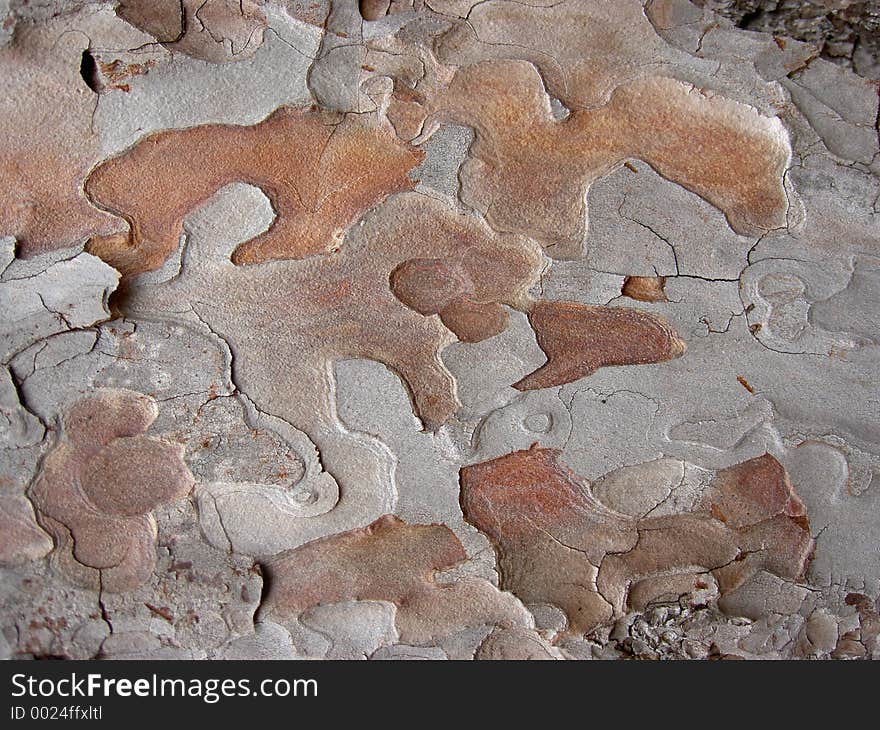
<point>846,31</point>
<point>439,329</point>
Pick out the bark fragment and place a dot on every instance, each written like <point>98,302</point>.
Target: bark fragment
<point>389,560</point>
<point>41,198</point>
<point>98,487</point>
<point>579,339</point>
<point>210,30</point>
<point>320,171</point>
<point>645,288</point>
<point>557,544</point>
<point>529,171</point>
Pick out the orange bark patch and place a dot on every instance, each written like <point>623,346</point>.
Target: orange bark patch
<point>47,144</point>
<point>578,339</point>
<point>645,288</point>
<point>529,172</point>
<point>320,171</point>
<point>583,48</point>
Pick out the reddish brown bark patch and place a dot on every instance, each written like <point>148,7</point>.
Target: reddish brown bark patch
<point>869,621</point>
<point>557,544</point>
<point>757,500</point>
<point>374,9</point>
<point>341,306</point>
<point>550,535</point>
<point>386,560</point>
<point>98,487</point>
<point>748,493</point>
<point>320,171</point>
<point>578,339</point>
<point>645,288</point>
<point>446,288</point>
<point>389,560</point>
